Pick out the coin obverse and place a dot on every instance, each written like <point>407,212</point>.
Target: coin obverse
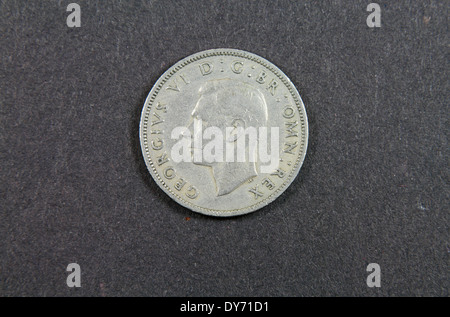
<point>224,132</point>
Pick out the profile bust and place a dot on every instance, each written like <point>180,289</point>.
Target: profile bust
<point>226,103</point>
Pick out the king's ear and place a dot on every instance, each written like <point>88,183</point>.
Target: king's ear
<point>235,130</point>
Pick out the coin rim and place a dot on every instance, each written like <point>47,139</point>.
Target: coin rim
<point>146,110</point>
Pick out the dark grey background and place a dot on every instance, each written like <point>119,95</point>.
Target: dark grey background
<point>373,188</point>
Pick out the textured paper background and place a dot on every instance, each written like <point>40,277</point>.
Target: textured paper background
<point>373,188</point>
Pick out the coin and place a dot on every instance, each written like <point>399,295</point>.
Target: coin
<point>224,132</point>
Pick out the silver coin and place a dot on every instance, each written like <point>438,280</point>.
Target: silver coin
<point>224,132</point>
